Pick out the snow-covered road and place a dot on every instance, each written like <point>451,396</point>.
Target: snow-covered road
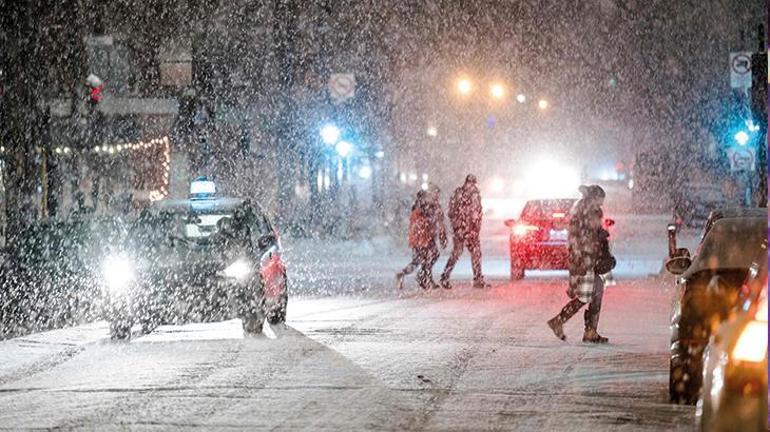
<point>442,360</point>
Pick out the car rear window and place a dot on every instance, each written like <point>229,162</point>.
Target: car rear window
<point>547,209</point>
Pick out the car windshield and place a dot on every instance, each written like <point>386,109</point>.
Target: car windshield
<point>547,209</point>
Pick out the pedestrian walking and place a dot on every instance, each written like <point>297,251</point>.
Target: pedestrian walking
<point>423,231</point>
<point>590,262</point>
<point>465,216</point>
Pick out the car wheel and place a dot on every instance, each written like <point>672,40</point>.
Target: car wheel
<point>517,269</point>
<point>685,376</point>
<point>252,323</point>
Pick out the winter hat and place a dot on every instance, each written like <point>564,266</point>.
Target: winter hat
<point>592,191</point>
<point>470,179</point>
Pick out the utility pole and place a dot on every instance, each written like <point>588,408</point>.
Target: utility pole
<point>759,112</point>
<point>284,37</point>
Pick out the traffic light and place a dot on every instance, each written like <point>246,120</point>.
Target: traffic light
<point>95,90</point>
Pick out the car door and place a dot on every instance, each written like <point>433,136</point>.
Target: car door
<point>267,246</point>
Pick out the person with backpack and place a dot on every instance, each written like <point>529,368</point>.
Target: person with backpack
<point>465,216</point>
<point>423,230</point>
<point>590,263</point>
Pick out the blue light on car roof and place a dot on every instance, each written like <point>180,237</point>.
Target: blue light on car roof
<point>203,188</point>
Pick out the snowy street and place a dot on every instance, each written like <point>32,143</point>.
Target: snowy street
<point>451,361</point>
<point>440,360</point>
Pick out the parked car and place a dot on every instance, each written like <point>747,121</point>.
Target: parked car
<point>707,289</point>
<point>734,396</point>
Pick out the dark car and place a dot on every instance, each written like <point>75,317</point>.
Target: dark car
<point>539,238</point>
<point>707,289</point>
<point>203,259</point>
<point>49,278</point>
<point>734,395</point>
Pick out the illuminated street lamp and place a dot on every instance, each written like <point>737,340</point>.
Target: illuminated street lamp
<point>497,91</point>
<point>464,86</point>
<point>742,138</point>
<point>344,148</point>
<point>521,98</point>
<point>542,104</point>
<point>330,134</point>
<point>432,131</point>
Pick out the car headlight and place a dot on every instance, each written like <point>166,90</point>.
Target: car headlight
<point>752,343</point>
<point>118,273</point>
<point>240,269</point>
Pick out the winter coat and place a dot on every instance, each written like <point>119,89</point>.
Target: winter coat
<point>585,247</point>
<point>420,230</point>
<point>465,211</point>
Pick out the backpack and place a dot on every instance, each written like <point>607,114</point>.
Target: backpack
<point>419,229</point>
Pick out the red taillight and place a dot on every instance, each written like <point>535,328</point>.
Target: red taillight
<point>521,230</point>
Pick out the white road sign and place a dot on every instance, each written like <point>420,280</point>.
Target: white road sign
<point>740,70</point>
<point>342,87</point>
<point>742,158</point>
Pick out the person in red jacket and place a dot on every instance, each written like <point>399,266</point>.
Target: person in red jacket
<point>423,232</point>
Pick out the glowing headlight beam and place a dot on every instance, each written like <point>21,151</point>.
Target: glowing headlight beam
<point>237,270</point>
<point>118,273</point>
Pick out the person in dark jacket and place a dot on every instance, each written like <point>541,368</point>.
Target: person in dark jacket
<point>424,228</point>
<point>589,259</point>
<point>465,216</point>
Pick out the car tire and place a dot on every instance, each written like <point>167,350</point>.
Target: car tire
<point>517,269</point>
<point>685,376</point>
<point>252,323</point>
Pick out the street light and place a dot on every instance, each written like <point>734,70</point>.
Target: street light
<point>330,134</point>
<point>464,86</point>
<point>497,91</point>
<point>432,131</point>
<point>521,98</point>
<point>344,148</point>
<point>742,138</point>
<point>542,104</point>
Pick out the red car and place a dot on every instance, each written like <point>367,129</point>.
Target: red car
<point>539,238</point>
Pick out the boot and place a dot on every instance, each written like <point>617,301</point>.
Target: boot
<point>480,284</point>
<point>400,280</point>
<point>557,326</point>
<point>445,284</point>
<point>591,336</point>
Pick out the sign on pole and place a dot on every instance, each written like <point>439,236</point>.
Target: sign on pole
<point>740,70</point>
<point>742,158</point>
<point>343,87</point>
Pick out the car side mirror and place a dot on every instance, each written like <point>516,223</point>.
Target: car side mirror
<point>510,223</point>
<point>680,262</point>
<point>671,229</point>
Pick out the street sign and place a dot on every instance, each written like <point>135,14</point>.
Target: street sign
<point>740,70</point>
<point>343,87</point>
<point>742,158</point>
